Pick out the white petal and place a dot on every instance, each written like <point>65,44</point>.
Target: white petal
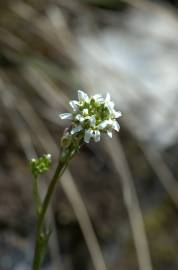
<point>87,117</point>
<point>66,116</point>
<point>76,129</point>
<point>85,111</point>
<point>117,114</point>
<point>108,98</point>
<point>96,135</point>
<point>103,124</point>
<point>109,133</point>
<point>115,125</point>
<point>98,98</point>
<point>92,120</point>
<point>80,118</point>
<point>110,106</point>
<point>82,96</point>
<point>48,156</point>
<point>88,135</point>
<point>74,105</point>
<point>110,122</point>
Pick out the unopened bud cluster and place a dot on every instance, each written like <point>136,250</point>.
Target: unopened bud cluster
<point>40,165</point>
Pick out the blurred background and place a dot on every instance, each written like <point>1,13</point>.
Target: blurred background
<point>116,208</point>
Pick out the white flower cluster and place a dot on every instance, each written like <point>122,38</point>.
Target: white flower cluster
<point>92,116</point>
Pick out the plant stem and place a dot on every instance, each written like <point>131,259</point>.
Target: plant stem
<point>36,194</point>
<point>41,237</point>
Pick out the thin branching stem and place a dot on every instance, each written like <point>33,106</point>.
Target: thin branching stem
<point>41,237</point>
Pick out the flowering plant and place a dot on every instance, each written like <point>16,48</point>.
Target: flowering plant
<point>90,117</point>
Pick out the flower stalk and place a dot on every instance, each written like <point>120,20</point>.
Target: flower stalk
<point>91,116</point>
<point>41,235</point>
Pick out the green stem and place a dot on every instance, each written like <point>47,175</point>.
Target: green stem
<point>40,234</point>
<point>36,195</point>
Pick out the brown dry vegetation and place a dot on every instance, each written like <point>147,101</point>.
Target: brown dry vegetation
<point>128,187</point>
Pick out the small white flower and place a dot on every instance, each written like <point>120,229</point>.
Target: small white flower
<point>48,156</point>
<point>82,96</point>
<point>76,129</point>
<point>80,118</point>
<point>64,116</point>
<point>85,112</point>
<point>74,104</point>
<point>88,135</point>
<point>108,103</point>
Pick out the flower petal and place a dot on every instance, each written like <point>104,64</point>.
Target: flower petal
<point>88,135</point>
<point>103,124</point>
<point>117,114</point>
<point>64,116</point>
<point>98,98</point>
<point>48,156</point>
<point>80,118</point>
<point>85,112</point>
<point>108,98</point>
<point>115,125</point>
<point>109,133</point>
<point>110,106</point>
<point>82,96</point>
<point>74,104</point>
<point>76,129</point>
<point>96,135</point>
<point>92,120</point>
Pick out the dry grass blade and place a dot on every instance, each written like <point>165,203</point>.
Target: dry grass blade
<point>45,88</point>
<point>11,41</point>
<point>20,129</point>
<point>158,165</point>
<point>44,27</point>
<point>132,204</point>
<point>84,221</point>
<point>36,124</point>
<point>147,5</point>
<point>162,171</point>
